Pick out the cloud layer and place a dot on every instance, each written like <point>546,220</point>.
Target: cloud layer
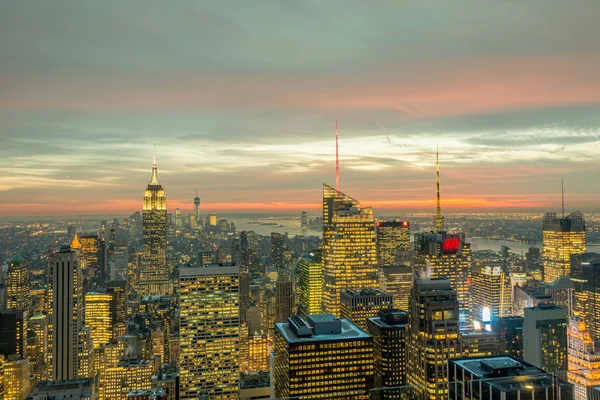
<point>242,102</point>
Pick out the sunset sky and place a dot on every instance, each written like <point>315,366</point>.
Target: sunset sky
<point>241,99</point>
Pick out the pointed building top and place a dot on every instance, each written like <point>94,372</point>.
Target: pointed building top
<point>75,244</point>
<point>154,180</point>
<point>439,218</point>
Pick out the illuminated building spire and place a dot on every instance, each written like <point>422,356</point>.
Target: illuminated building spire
<point>75,244</point>
<point>154,180</point>
<point>337,160</point>
<point>439,218</point>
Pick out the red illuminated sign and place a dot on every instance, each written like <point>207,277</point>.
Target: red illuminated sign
<point>450,245</point>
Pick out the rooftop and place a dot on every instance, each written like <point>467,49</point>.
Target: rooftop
<point>349,331</point>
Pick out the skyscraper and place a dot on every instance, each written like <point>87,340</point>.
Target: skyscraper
<point>397,280</point>
<point>356,305</point>
<point>545,337</point>
<point>154,274</point>
<point>310,283</point>
<point>98,317</point>
<point>389,351</point>
<point>324,357</point>
<point>197,207</point>
<point>66,313</point>
<point>277,251</point>
<point>17,285</point>
<point>209,331</point>
<point>93,251</point>
<point>393,237</point>
<point>510,335</point>
<point>432,337</point>
<point>349,247</point>
<point>585,275</point>
<point>447,256</point>
<point>249,254</point>
<point>562,238</point>
<point>584,360</point>
<point>491,294</point>
<point>284,297</point>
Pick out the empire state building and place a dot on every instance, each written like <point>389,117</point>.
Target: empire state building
<point>154,274</point>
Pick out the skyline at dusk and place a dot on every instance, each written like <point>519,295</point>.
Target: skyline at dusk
<point>242,104</point>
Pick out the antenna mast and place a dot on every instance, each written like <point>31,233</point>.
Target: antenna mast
<point>337,160</point>
<point>439,219</point>
<point>562,195</point>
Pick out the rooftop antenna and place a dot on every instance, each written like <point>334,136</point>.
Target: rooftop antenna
<point>562,195</point>
<point>337,160</point>
<point>439,218</point>
<point>154,153</point>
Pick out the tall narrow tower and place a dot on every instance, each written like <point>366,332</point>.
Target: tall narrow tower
<point>439,218</point>
<point>337,159</point>
<point>154,276</point>
<point>197,207</point>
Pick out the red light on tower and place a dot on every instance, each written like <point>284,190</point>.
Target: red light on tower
<point>404,223</point>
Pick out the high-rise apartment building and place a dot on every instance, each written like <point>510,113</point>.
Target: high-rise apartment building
<point>389,352</point>
<point>284,299</point>
<point>584,361</point>
<point>397,280</point>
<point>310,283</point>
<point>447,256</point>
<point>393,237</point>
<point>349,247</point>
<point>562,237</point>
<point>17,285</point>
<point>491,294</point>
<point>324,357</point>
<point>98,317</point>
<point>154,274</point>
<point>357,305</point>
<point>545,337</point>
<point>432,337</point>
<point>65,313</point>
<point>209,331</point>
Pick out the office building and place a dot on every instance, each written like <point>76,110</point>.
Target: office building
<point>389,352</point>
<point>349,247</point>
<point>94,264</point>
<point>322,357</point>
<point>432,337</point>
<point>13,333</point>
<point>491,295</point>
<point>38,325</point>
<point>528,296</point>
<point>98,317</point>
<point>510,335</point>
<point>255,386</point>
<point>178,219</point>
<point>154,274</point>
<point>359,304</point>
<point>278,252</point>
<point>503,377</point>
<point>562,294</point>
<point>479,343</point>
<point>253,351</point>
<point>80,389</point>
<point>304,220</point>
<point>545,337</point>
<point>397,280</point>
<point>284,299</point>
<point>584,361</point>
<point>447,256</point>
<point>212,220</point>
<point>65,283</point>
<point>249,254</point>
<point>393,237</point>
<point>310,283</point>
<point>209,331</point>
<point>15,376</point>
<point>118,260</point>
<point>17,285</point>
<point>562,238</point>
<point>116,382</point>
<point>585,275</point>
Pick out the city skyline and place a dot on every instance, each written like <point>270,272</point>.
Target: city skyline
<point>247,117</point>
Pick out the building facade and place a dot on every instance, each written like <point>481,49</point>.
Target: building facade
<point>393,237</point>
<point>545,337</point>
<point>209,331</point>
<point>349,247</point>
<point>310,283</point>
<point>562,237</point>
<point>359,304</point>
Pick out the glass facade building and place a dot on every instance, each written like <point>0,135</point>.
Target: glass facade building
<point>562,237</point>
